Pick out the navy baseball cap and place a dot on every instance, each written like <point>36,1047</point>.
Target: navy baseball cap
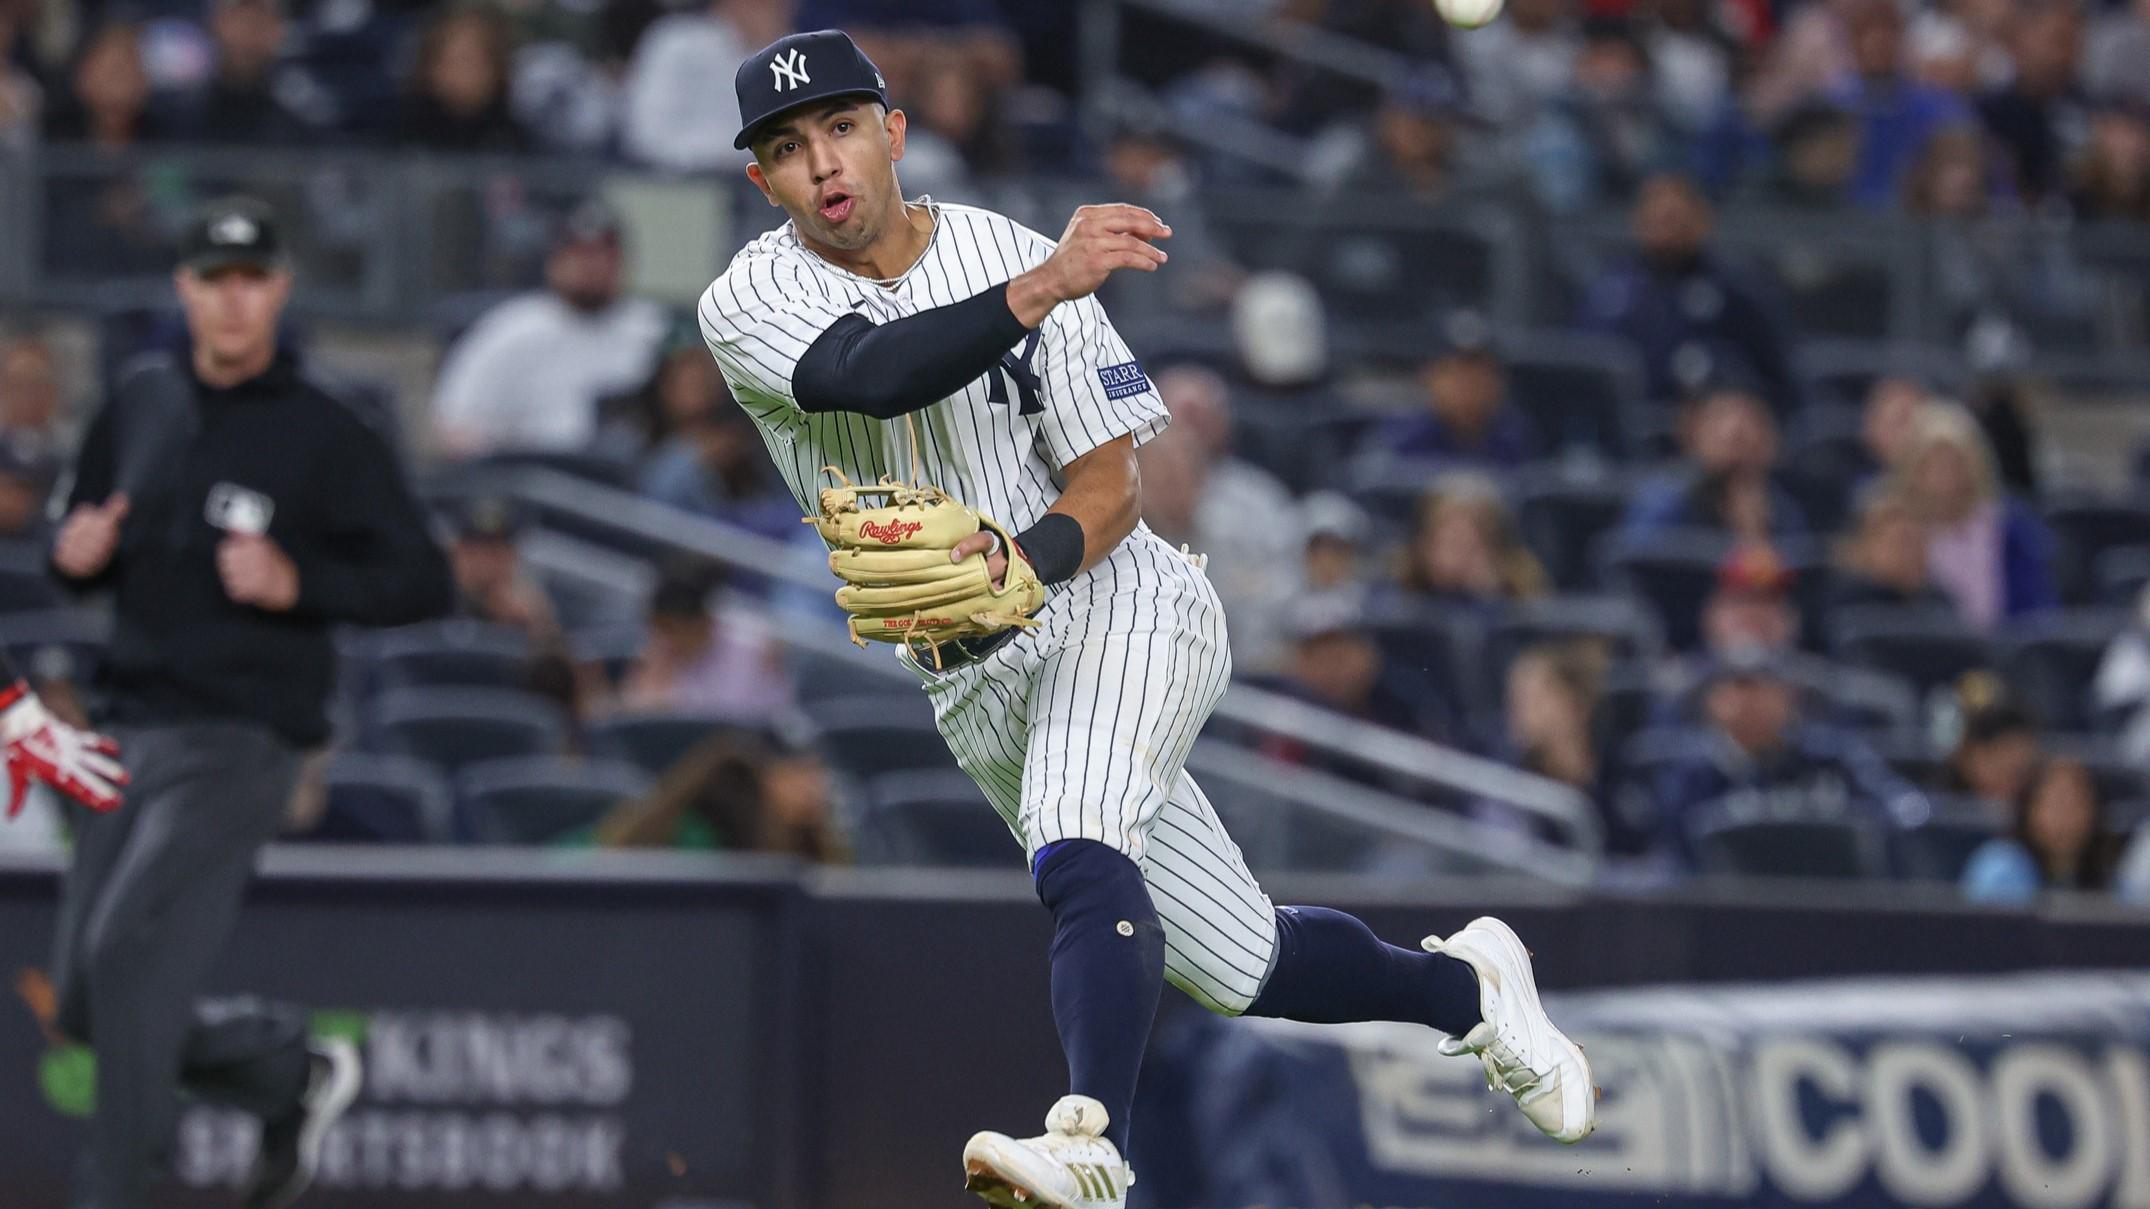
<point>798,69</point>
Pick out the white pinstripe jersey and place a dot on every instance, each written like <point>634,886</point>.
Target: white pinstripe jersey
<point>1081,727</point>
<point>1001,443</point>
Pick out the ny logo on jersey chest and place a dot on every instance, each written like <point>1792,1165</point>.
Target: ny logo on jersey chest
<point>1016,369</point>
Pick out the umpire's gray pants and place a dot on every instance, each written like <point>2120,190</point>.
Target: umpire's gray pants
<point>148,903</point>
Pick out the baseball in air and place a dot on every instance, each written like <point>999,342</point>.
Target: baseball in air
<point>1467,14</point>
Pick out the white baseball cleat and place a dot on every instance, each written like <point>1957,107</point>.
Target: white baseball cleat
<point>1524,1055</point>
<point>1072,1166</point>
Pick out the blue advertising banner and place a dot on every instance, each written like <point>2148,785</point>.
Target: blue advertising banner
<point>1975,1093</point>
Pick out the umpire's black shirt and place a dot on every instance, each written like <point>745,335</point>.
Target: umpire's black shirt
<point>192,458</point>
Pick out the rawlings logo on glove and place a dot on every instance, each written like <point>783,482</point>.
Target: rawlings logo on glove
<point>890,533</point>
<point>899,585</point>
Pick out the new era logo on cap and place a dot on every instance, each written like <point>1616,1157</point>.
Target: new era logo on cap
<point>798,70</point>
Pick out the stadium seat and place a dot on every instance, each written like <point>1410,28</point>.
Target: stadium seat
<point>458,653</point>
<point>1563,520</point>
<point>454,728</point>
<point>540,799</point>
<point>1839,373</point>
<point>1857,698</point>
<point>1372,270</point>
<point>450,315</point>
<point>613,649</point>
<point>1635,813</point>
<point>1322,843</point>
<point>1822,469</point>
<point>78,634</point>
<point>1426,649</point>
<point>1389,488</point>
<point>2084,528</point>
<point>2124,819</point>
<point>2121,575</point>
<point>1623,626</point>
<point>1674,572</point>
<point>1908,754</point>
<point>1627,704</point>
<point>932,817</point>
<point>1926,647</point>
<point>819,673</point>
<point>868,736</point>
<point>1937,847</point>
<point>1305,439</point>
<point>1812,848</point>
<point>26,586</point>
<point>652,742</point>
<point>1831,292</point>
<point>591,467</point>
<point>1575,387</point>
<point>383,800</point>
<point>2052,660</point>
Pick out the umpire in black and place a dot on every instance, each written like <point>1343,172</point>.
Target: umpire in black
<point>237,511</point>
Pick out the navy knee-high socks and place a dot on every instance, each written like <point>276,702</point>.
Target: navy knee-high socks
<point>1108,970</point>
<point>1331,969</point>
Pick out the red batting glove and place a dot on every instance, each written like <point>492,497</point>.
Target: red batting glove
<point>40,747</point>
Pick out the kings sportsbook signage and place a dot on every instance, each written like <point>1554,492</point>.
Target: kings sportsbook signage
<point>524,1046</point>
<point>2012,1091</point>
<point>558,1031</point>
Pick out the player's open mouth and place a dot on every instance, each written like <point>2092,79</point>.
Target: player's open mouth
<point>837,207</point>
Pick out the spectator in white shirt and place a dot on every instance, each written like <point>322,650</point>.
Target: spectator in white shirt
<point>682,110</point>
<point>529,374</point>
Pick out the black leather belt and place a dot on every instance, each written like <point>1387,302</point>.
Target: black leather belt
<point>964,651</point>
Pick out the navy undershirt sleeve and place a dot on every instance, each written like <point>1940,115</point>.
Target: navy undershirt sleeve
<point>886,370</point>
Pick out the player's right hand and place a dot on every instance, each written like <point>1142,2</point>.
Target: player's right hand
<point>1100,241</point>
<point>88,537</point>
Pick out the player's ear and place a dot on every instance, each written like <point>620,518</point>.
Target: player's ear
<point>895,124</point>
<point>761,182</point>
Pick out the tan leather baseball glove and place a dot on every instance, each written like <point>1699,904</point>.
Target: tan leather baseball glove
<point>889,542</point>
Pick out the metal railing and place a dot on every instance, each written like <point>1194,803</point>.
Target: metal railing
<point>1110,97</point>
<point>413,240</point>
<point>1254,785</point>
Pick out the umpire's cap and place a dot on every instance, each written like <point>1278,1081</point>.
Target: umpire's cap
<point>798,69</point>
<point>229,233</point>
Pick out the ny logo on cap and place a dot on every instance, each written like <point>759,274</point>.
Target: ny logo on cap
<point>789,71</point>
<point>233,229</point>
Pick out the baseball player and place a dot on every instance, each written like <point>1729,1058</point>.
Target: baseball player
<point>950,346</point>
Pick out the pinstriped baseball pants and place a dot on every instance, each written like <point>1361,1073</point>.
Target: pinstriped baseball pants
<point>1080,729</point>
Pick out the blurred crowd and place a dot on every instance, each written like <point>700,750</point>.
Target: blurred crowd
<point>1760,615</point>
<point>1947,109</point>
<point>639,80</point>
